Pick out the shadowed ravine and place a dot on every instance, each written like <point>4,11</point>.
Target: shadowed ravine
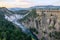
<point>14,17</point>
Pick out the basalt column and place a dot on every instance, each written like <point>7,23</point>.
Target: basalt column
<point>44,19</point>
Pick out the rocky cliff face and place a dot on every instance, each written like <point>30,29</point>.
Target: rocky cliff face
<point>45,25</point>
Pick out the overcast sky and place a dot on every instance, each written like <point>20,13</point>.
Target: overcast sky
<point>27,3</point>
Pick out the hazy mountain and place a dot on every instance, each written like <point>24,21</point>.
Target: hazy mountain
<point>41,7</point>
<point>16,9</point>
<point>49,7</point>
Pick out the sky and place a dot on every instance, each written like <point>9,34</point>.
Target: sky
<point>27,3</point>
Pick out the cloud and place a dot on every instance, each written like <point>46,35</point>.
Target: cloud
<point>24,3</point>
<point>6,4</point>
<point>16,3</point>
<point>27,3</point>
<point>57,3</point>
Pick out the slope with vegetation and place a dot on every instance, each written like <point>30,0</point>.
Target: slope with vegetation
<point>10,32</point>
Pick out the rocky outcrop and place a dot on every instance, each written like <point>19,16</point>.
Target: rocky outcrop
<point>45,25</point>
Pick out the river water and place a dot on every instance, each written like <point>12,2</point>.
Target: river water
<point>14,17</point>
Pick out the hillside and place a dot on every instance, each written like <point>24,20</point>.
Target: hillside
<point>9,31</point>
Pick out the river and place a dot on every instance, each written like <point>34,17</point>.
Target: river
<point>14,19</point>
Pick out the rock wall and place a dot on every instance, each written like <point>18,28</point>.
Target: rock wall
<point>46,22</point>
<point>50,20</point>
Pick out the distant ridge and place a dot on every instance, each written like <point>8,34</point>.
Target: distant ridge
<point>43,7</point>
<point>16,9</point>
<point>37,7</point>
<point>49,7</point>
